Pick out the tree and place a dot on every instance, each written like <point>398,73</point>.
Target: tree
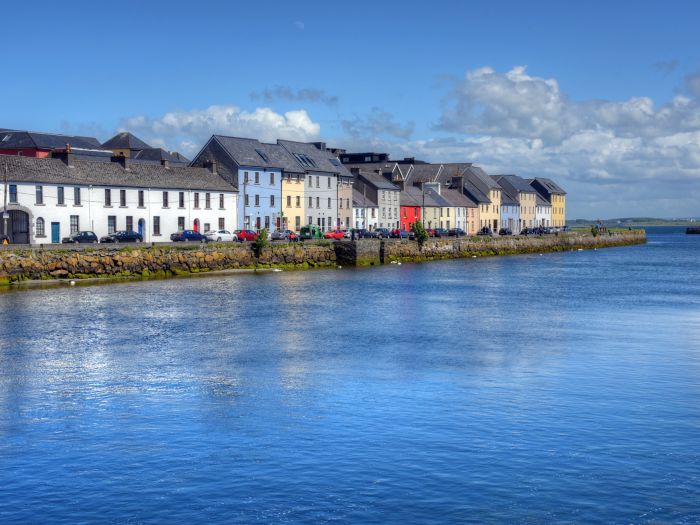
<point>260,243</point>
<point>419,233</point>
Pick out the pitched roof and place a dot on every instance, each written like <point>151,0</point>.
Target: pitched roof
<point>253,153</point>
<point>159,155</point>
<point>362,200</point>
<point>514,183</point>
<point>549,186</point>
<point>125,140</point>
<point>378,181</point>
<point>414,196</point>
<point>509,197</point>
<point>541,201</point>
<point>479,178</point>
<point>475,194</point>
<point>311,158</point>
<point>457,199</point>
<point>17,139</point>
<point>88,172</point>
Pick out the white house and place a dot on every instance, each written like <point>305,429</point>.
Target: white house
<point>50,198</point>
<point>365,210</point>
<point>543,212</point>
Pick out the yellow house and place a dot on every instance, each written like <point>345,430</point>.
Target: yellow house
<point>527,198</point>
<point>484,191</point>
<point>556,196</point>
<point>293,201</point>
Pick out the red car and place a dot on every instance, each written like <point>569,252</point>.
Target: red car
<point>246,235</point>
<point>334,234</point>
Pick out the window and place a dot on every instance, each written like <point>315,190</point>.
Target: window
<point>257,177</point>
<point>318,202</point>
<point>289,201</point>
<point>122,198</point>
<point>329,201</point>
<point>40,229</point>
<point>222,223</point>
<point>310,181</point>
<point>245,177</point>
<point>329,182</point>
<point>111,223</point>
<point>318,181</point>
<point>76,196</point>
<point>257,199</point>
<point>207,200</point>
<point>311,220</point>
<point>311,202</point>
<point>267,222</point>
<point>340,201</point>
<point>129,223</point>
<point>165,205</point>
<point>60,197</point>
<point>74,224</point>
<point>181,199</point>
<point>272,201</point>
<point>263,155</point>
<point>298,201</point>
<point>156,225</point>
<point>196,199</point>
<point>180,224</point>
<point>257,222</point>
<point>272,179</point>
<point>108,197</point>
<point>297,223</point>
<point>347,203</point>
<point>221,201</point>
<point>246,201</point>
<point>207,227</point>
<point>40,195</point>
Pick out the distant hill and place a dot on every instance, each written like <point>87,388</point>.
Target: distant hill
<point>636,221</point>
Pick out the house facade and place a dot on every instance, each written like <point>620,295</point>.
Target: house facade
<point>555,195</point>
<point>380,190</point>
<point>365,211</point>
<point>50,198</point>
<point>526,196</point>
<point>543,212</point>
<point>510,211</point>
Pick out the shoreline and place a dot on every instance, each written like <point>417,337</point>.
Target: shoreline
<point>37,267</point>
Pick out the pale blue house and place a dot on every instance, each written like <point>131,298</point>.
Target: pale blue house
<point>256,169</point>
<point>510,211</point>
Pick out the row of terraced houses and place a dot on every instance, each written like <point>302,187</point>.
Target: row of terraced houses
<point>55,185</point>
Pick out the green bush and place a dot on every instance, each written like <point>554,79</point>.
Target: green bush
<point>419,232</point>
<point>260,243</point>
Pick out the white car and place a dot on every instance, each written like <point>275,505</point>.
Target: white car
<point>221,236</point>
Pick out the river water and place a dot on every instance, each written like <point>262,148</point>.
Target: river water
<point>528,389</point>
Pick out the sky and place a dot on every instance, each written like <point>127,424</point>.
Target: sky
<point>603,97</point>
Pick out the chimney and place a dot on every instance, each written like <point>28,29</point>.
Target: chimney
<point>355,171</point>
<point>67,156</point>
<point>211,166</point>
<point>121,159</point>
<point>320,145</point>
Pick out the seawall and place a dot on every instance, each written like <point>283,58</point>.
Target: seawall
<point>19,264</point>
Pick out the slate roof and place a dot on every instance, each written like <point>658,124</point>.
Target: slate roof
<point>16,139</point>
<point>508,197</point>
<point>541,201</point>
<point>362,201</point>
<point>321,160</point>
<point>549,186</point>
<point>378,181</point>
<point>87,172</point>
<point>159,155</point>
<point>247,152</point>
<point>413,196</point>
<point>125,140</point>
<point>457,199</point>
<point>514,183</point>
<point>475,194</point>
<point>425,172</point>
<point>479,178</point>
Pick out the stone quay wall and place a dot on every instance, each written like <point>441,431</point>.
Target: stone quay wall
<point>141,261</point>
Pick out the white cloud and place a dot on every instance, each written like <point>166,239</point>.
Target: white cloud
<point>187,131</point>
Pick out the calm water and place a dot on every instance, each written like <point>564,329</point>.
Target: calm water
<point>531,389</point>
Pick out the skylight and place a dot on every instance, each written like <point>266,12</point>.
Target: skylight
<point>263,155</point>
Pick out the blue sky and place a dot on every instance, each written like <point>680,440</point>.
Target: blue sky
<point>602,96</point>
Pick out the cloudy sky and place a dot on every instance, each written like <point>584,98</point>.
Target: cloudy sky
<point>604,97</point>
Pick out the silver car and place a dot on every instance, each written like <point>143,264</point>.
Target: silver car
<point>221,236</point>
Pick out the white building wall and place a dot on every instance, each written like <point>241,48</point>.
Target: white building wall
<point>543,216</point>
<point>389,208</point>
<point>93,212</point>
<point>321,194</point>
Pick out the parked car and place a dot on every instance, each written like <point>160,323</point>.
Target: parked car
<point>310,232</point>
<point>430,232</point>
<point>360,233</point>
<point>80,237</point>
<point>456,232</point>
<point>505,231</point>
<point>383,233</point>
<point>485,231</point>
<point>284,235</point>
<point>399,234</point>
<point>334,234</point>
<point>246,235</point>
<point>122,236</point>
<point>441,232</point>
<point>370,234</point>
<point>188,235</point>
<point>220,236</point>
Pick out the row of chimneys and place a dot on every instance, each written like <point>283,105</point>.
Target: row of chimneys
<point>68,157</point>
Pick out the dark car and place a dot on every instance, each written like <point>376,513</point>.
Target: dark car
<point>80,237</point>
<point>246,235</point>
<point>441,232</point>
<point>283,235</point>
<point>505,231</point>
<point>485,231</point>
<point>457,232</point>
<point>188,235</point>
<point>122,236</point>
<point>383,233</point>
